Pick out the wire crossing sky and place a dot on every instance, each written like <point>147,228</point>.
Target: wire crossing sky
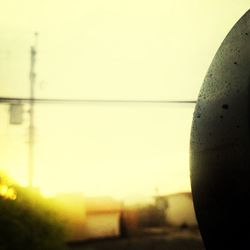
<point>79,101</point>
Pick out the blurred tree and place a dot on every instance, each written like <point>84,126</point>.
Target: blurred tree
<point>28,221</point>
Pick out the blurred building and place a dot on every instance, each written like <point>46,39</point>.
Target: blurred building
<point>178,208</point>
<point>102,218</point>
<point>89,218</point>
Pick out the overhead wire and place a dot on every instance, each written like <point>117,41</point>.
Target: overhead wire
<point>84,101</point>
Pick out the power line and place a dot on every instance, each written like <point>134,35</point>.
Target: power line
<point>84,101</point>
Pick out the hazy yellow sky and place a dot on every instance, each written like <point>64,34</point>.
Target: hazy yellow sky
<point>133,49</point>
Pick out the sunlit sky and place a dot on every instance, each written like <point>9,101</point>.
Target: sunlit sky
<point>108,49</point>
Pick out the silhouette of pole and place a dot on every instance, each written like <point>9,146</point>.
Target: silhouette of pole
<point>33,53</point>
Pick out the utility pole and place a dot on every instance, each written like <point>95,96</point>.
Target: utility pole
<point>33,53</point>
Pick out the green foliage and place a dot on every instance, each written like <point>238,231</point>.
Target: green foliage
<point>29,222</point>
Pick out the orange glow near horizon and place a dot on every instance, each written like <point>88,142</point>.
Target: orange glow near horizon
<point>105,150</point>
<point>143,149</point>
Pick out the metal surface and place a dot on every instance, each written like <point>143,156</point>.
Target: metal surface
<point>220,145</point>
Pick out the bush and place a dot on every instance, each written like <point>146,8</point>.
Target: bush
<point>28,222</point>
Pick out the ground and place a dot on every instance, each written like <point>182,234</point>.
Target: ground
<point>184,240</point>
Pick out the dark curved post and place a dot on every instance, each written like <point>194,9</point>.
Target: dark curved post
<point>220,145</point>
